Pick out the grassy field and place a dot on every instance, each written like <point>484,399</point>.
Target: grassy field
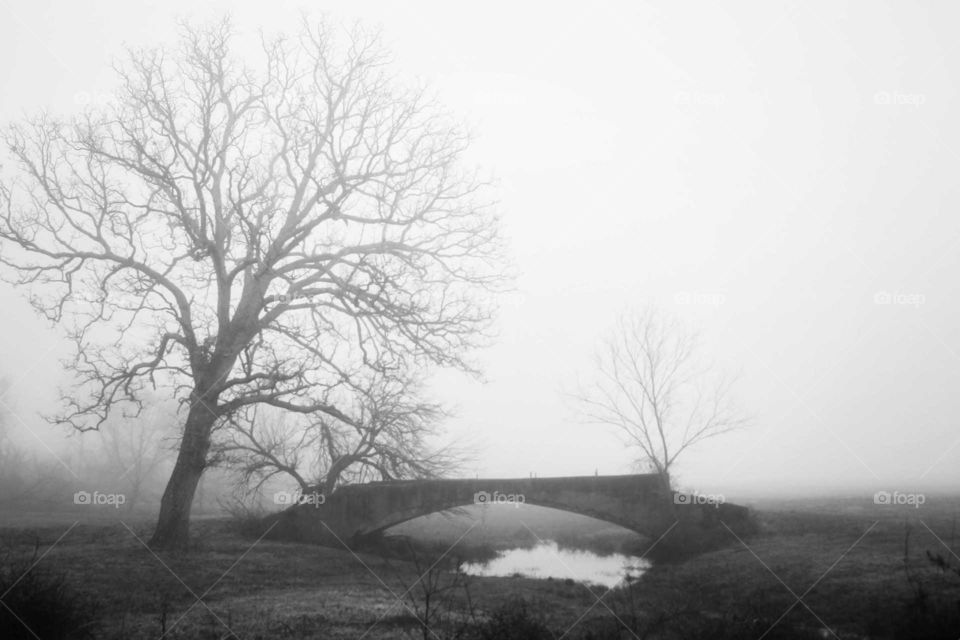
<point>814,569</point>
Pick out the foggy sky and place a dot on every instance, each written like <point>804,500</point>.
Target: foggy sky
<point>764,170</point>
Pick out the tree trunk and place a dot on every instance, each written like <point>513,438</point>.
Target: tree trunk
<point>667,492</point>
<point>132,496</point>
<point>173,525</point>
<point>665,483</point>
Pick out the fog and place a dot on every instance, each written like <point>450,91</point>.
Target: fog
<point>782,178</point>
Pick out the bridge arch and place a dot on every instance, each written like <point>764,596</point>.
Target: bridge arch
<point>636,502</point>
<point>399,517</point>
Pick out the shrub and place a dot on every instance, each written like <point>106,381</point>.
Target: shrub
<point>247,517</point>
<point>685,540</point>
<point>931,613</point>
<point>514,621</point>
<point>41,603</point>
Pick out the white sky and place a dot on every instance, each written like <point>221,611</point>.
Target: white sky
<point>793,159</point>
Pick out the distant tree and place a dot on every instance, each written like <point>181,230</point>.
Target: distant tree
<point>136,448</point>
<point>28,476</point>
<point>649,384</point>
<point>248,236</point>
<point>12,455</point>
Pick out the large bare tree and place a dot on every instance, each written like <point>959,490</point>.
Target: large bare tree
<point>248,234</point>
<point>651,385</point>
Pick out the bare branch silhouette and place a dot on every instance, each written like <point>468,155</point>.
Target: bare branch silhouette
<point>650,386</point>
<point>248,235</point>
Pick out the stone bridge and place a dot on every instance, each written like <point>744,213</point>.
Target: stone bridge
<point>637,502</point>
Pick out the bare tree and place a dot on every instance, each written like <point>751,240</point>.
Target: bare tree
<point>650,385</point>
<point>12,455</point>
<point>248,235</point>
<point>391,436</point>
<point>136,448</point>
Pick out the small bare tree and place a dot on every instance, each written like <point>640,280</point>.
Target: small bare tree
<point>136,448</point>
<point>12,455</point>
<point>248,235</point>
<point>650,385</point>
<point>391,436</point>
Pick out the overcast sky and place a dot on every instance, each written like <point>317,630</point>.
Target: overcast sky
<point>764,170</point>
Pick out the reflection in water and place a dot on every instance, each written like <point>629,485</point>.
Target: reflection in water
<point>546,560</point>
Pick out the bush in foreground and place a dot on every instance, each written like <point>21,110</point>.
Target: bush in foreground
<point>39,603</point>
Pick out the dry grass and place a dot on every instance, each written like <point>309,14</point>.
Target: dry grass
<point>269,589</point>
